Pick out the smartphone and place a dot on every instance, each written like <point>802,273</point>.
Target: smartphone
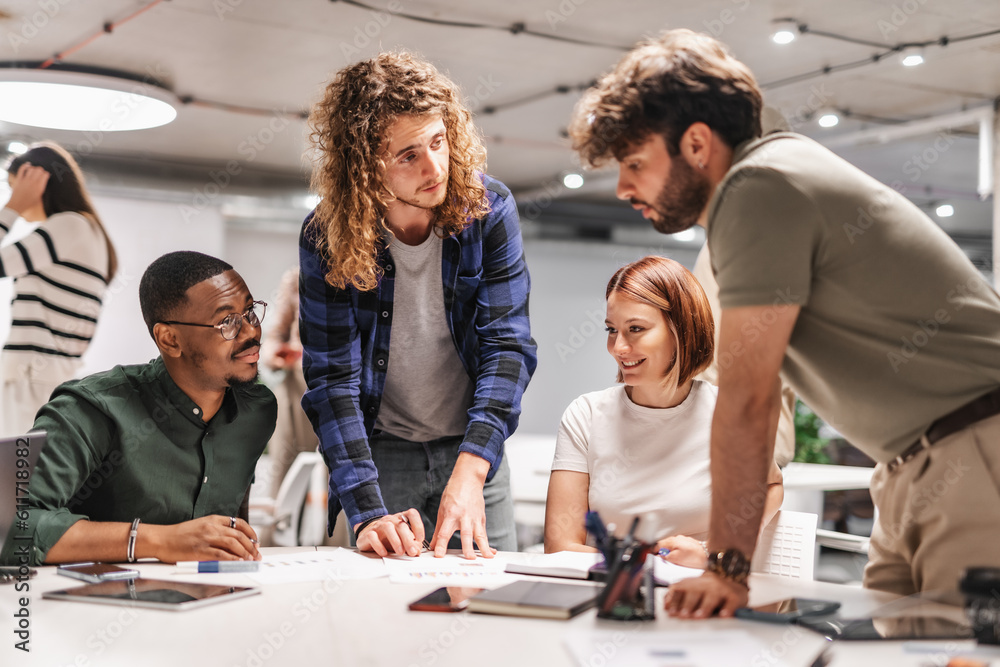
<point>452,598</point>
<point>894,628</point>
<point>97,572</point>
<point>788,610</point>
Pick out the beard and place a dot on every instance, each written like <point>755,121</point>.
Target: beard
<point>241,384</point>
<point>439,197</point>
<point>682,199</point>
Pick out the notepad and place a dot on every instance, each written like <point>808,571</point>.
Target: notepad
<point>539,599</point>
<point>563,564</point>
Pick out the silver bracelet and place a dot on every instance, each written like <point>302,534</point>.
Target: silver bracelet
<point>131,540</point>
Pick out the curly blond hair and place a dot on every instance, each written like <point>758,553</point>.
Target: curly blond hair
<point>347,130</point>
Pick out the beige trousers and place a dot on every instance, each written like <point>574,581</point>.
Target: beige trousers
<point>939,513</point>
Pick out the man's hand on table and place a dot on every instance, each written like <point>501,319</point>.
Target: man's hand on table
<point>401,533</point>
<point>207,538</point>
<point>463,509</point>
<point>705,596</point>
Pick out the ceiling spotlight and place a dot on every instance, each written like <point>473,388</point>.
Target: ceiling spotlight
<point>945,211</point>
<point>687,235</point>
<point>911,56</point>
<point>785,31</point>
<point>86,99</point>
<point>573,181</point>
<point>828,118</point>
<point>17,147</point>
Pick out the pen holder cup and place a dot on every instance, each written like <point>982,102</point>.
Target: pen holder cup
<point>628,594</point>
<point>981,588</point>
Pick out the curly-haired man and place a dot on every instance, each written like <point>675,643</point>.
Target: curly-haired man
<point>903,360</point>
<point>414,312</point>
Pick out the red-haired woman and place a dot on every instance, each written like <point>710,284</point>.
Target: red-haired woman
<point>642,446</point>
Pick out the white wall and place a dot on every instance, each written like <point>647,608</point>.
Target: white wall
<point>567,310</point>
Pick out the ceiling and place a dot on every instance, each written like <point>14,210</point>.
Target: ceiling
<point>274,58</point>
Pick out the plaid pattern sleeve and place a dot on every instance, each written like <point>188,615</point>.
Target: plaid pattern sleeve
<point>330,324</point>
<point>499,334</point>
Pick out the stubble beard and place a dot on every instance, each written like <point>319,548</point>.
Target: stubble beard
<point>682,199</point>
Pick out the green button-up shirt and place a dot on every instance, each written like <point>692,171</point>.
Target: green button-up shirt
<point>129,443</point>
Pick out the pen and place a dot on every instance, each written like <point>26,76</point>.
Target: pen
<point>218,566</point>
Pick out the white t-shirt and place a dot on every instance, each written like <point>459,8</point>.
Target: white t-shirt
<point>642,460</point>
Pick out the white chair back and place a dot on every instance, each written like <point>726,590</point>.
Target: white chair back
<point>787,546</point>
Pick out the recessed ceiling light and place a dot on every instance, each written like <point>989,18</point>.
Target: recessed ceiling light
<point>573,181</point>
<point>785,31</point>
<point>828,119</point>
<point>945,211</point>
<point>688,235</point>
<point>311,200</point>
<point>911,57</point>
<point>82,99</point>
<point>17,147</point>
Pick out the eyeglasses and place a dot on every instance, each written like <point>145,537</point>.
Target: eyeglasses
<point>232,323</point>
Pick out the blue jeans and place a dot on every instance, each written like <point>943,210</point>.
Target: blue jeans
<point>414,474</point>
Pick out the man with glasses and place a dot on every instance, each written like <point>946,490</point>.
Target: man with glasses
<point>156,460</point>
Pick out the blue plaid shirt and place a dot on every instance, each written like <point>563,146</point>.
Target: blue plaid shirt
<point>345,338</point>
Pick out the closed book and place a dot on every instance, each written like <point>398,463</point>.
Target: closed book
<point>540,599</point>
<point>564,564</point>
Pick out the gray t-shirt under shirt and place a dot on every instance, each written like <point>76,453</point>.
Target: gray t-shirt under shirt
<point>427,391</point>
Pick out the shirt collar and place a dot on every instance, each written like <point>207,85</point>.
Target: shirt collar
<point>185,406</point>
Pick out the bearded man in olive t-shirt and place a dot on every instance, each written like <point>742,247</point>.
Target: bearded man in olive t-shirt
<point>865,307</point>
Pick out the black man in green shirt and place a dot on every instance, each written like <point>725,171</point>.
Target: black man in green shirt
<point>156,460</point>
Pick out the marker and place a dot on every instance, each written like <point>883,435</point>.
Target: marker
<point>218,566</point>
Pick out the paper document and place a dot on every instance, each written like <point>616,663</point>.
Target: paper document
<point>568,564</point>
<point>732,648</point>
<point>670,573</point>
<point>452,570</point>
<point>335,563</point>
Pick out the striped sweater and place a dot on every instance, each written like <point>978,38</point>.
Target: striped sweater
<point>59,274</point>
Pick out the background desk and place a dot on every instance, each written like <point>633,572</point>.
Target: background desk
<point>366,623</point>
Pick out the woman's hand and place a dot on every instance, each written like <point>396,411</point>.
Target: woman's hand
<point>684,550</point>
<point>27,188</point>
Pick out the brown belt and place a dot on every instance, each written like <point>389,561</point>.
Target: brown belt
<point>985,406</point>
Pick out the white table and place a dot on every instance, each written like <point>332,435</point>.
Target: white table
<point>348,623</point>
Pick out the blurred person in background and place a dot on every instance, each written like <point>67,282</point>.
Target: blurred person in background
<point>61,271</point>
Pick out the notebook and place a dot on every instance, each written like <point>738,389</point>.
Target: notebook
<point>539,599</point>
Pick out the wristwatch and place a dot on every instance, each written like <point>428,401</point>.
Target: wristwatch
<point>729,564</point>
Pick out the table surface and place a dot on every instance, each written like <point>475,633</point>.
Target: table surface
<point>367,623</point>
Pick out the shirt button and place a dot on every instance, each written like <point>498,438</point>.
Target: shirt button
<point>388,268</point>
<point>205,481</point>
<point>380,362</point>
<point>196,411</point>
<point>385,313</point>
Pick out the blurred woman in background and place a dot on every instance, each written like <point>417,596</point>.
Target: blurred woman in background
<point>61,271</point>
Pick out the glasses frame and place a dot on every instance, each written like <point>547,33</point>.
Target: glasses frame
<point>223,324</point>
